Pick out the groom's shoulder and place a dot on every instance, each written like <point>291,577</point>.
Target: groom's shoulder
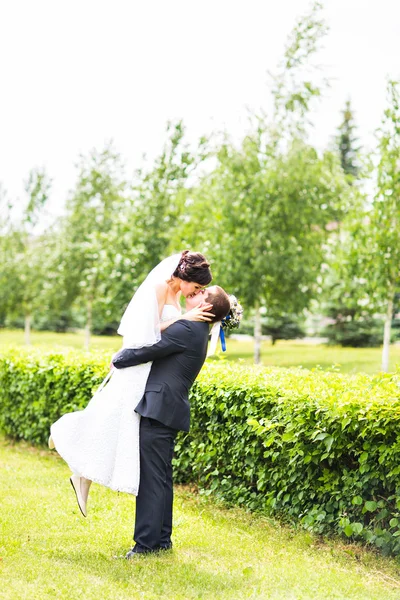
<point>184,327</point>
<point>180,327</point>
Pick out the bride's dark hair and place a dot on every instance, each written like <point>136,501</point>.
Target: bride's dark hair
<point>193,266</point>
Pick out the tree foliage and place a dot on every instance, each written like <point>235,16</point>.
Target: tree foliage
<point>367,256</point>
<point>96,256</point>
<point>347,143</point>
<point>160,195</point>
<point>24,255</point>
<point>297,82</point>
<point>269,211</point>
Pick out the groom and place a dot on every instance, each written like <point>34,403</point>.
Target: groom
<point>165,409</point>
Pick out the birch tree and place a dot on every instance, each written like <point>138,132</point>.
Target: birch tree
<point>262,214</point>
<point>93,231</point>
<point>263,221</point>
<point>382,258</point>
<point>24,260</point>
<point>160,194</point>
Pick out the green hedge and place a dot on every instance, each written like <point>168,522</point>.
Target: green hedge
<point>321,449</point>
<point>37,388</point>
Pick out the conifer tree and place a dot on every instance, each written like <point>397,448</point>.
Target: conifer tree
<point>347,143</point>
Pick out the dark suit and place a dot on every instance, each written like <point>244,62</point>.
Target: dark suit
<point>164,408</point>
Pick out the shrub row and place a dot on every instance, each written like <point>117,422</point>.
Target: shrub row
<point>36,388</point>
<point>321,449</point>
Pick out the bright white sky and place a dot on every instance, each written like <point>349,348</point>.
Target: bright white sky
<point>75,74</point>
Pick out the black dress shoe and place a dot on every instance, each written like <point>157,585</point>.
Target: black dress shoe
<point>131,554</point>
<point>135,551</point>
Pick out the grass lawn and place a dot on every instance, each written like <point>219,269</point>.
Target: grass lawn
<point>283,354</point>
<point>47,550</point>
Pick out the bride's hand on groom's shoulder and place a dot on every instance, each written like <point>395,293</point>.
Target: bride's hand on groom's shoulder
<point>199,313</point>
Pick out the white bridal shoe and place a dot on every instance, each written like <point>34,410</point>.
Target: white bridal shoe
<point>51,443</point>
<point>81,488</point>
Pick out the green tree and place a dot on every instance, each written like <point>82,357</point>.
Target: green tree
<point>6,279</point>
<point>382,254</point>
<point>264,213</point>
<point>37,188</point>
<point>265,220</point>
<point>369,256</point>
<point>160,195</point>
<point>113,234</point>
<point>24,258</point>
<point>297,82</point>
<point>283,327</point>
<point>343,298</point>
<point>98,249</point>
<point>347,143</point>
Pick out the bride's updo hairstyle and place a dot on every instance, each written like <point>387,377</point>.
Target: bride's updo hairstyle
<point>193,266</point>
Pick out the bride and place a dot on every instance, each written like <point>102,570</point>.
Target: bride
<point>101,442</point>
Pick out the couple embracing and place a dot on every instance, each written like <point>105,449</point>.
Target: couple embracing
<point>124,438</point>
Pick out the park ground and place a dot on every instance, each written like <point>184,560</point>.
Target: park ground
<point>48,550</point>
<point>282,354</point>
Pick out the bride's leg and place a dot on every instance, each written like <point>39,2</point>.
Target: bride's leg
<point>81,487</point>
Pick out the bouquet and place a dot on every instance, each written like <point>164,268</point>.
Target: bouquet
<point>232,320</point>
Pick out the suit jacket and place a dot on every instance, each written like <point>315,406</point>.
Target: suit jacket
<point>177,359</point>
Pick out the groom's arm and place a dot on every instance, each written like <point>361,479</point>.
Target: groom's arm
<point>174,339</point>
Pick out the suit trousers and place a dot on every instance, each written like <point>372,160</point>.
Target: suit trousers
<point>153,522</point>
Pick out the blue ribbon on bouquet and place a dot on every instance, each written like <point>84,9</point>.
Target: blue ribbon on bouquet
<point>222,338</point>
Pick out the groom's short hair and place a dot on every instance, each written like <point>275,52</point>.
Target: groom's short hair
<point>221,304</point>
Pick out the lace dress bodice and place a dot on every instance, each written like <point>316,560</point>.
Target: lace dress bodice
<point>169,312</point>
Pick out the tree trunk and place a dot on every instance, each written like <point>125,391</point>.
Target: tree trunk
<point>386,335</point>
<point>257,335</point>
<point>88,328</point>
<point>28,329</point>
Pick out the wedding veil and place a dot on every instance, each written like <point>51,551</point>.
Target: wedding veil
<point>140,323</point>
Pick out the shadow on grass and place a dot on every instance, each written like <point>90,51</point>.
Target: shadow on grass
<point>159,573</point>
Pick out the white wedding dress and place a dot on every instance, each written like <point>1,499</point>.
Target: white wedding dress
<point>101,442</point>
